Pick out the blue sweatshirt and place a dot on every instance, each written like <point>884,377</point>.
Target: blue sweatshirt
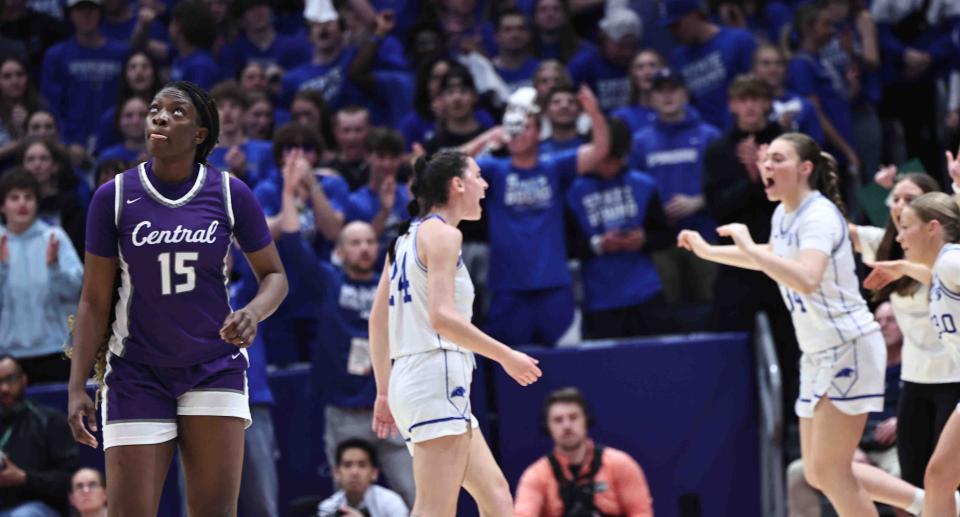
<point>672,153</point>
<point>36,298</point>
<point>611,83</point>
<point>710,67</point>
<point>91,75</point>
<point>807,76</point>
<point>343,307</point>
<point>287,52</point>
<point>525,217</point>
<point>259,155</point>
<point>623,278</point>
<point>199,67</point>
<point>242,290</point>
<point>636,117</point>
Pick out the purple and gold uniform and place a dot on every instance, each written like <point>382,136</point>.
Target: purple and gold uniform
<point>171,242</point>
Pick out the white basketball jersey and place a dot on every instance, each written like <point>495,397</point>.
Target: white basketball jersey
<point>835,313</point>
<point>925,359</point>
<point>409,317</point>
<point>945,301</point>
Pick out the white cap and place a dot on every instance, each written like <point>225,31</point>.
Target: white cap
<point>319,11</point>
<point>620,23</point>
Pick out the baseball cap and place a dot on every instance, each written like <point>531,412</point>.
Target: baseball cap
<point>320,11</point>
<point>673,10</point>
<point>668,76</point>
<point>74,3</point>
<point>620,23</point>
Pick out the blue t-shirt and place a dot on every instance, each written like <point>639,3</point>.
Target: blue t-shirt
<point>611,83</point>
<point>172,241</point>
<point>636,117</point>
<point>121,152</point>
<point>520,76</point>
<point>269,194</point>
<point>807,76</point>
<point>80,83</point>
<point>259,155</point>
<point>242,290</point>
<point>710,67</point>
<point>803,116</point>
<point>124,30</point>
<point>363,205</point>
<point>199,67</point>
<point>623,278</point>
<point>672,154</point>
<point>343,307</point>
<point>552,146</point>
<point>287,52</point>
<point>525,218</point>
<point>329,79</point>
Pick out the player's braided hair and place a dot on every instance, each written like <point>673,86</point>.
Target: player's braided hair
<point>207,116</point>
<point>430,187</point>
<point>824,177</point>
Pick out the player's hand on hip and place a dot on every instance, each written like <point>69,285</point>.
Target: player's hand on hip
<point>239,328</point>
<point>383,424</point>
<point>80,407</point>
<point>522,368</point>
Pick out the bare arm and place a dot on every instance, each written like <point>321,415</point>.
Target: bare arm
<point>492,136</point>
<point>439,247</point>
<point>379,335</point>
<point>802,274</point>
<point>88,333</point>
<point>728,255</point>
<point>329,220</point>
<point>589,155</point>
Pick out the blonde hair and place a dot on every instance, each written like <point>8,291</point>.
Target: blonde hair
<point>940,207</point>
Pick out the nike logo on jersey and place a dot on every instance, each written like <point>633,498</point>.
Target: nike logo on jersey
<point>132,201</point>
<point>236,355</point>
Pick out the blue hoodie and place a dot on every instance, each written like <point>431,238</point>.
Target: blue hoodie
<point>36,298</point>
<point>672,153</point>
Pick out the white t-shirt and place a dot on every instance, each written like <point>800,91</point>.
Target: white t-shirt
<point>924,360</point>
<point>945,297</point>
<point>835,313</point>
<point>377,501</point>
<point>409,316</point>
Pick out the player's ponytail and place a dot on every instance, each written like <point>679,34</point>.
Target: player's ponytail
<point>824,177</point>
<point>430,187</point>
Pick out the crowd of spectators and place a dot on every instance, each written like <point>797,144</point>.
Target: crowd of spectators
<point>646,119</point>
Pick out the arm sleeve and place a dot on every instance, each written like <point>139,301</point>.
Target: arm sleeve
<point>632,489</point>
<point>249,223</point>
<point>101,235</point>
<point>660,235</point>
<point>67,273</point>
<point>820,229</point>
<point>531,488</point>
<point>54,480</point>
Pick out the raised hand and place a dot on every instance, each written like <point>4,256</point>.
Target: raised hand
<point>953,167</point>
<point>53,249</point>
<point>884,272</point>
<point>388,193</point>
<point>886,175</point>
<point>738,232</point>
<point>691,240</point>
<point>588,101</point>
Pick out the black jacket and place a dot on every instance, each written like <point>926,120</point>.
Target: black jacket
<point>730,195</point>
<point>42,445</point>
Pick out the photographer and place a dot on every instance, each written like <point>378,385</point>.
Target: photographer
<point>357,470</point>
<point>580,478</point>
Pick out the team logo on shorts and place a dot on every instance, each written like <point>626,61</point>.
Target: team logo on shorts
<point>844,380</point>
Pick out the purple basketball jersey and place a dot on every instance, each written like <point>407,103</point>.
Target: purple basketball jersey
<point>171,254</point>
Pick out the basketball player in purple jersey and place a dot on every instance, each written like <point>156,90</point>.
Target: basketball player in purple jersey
<point>175,368</point>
